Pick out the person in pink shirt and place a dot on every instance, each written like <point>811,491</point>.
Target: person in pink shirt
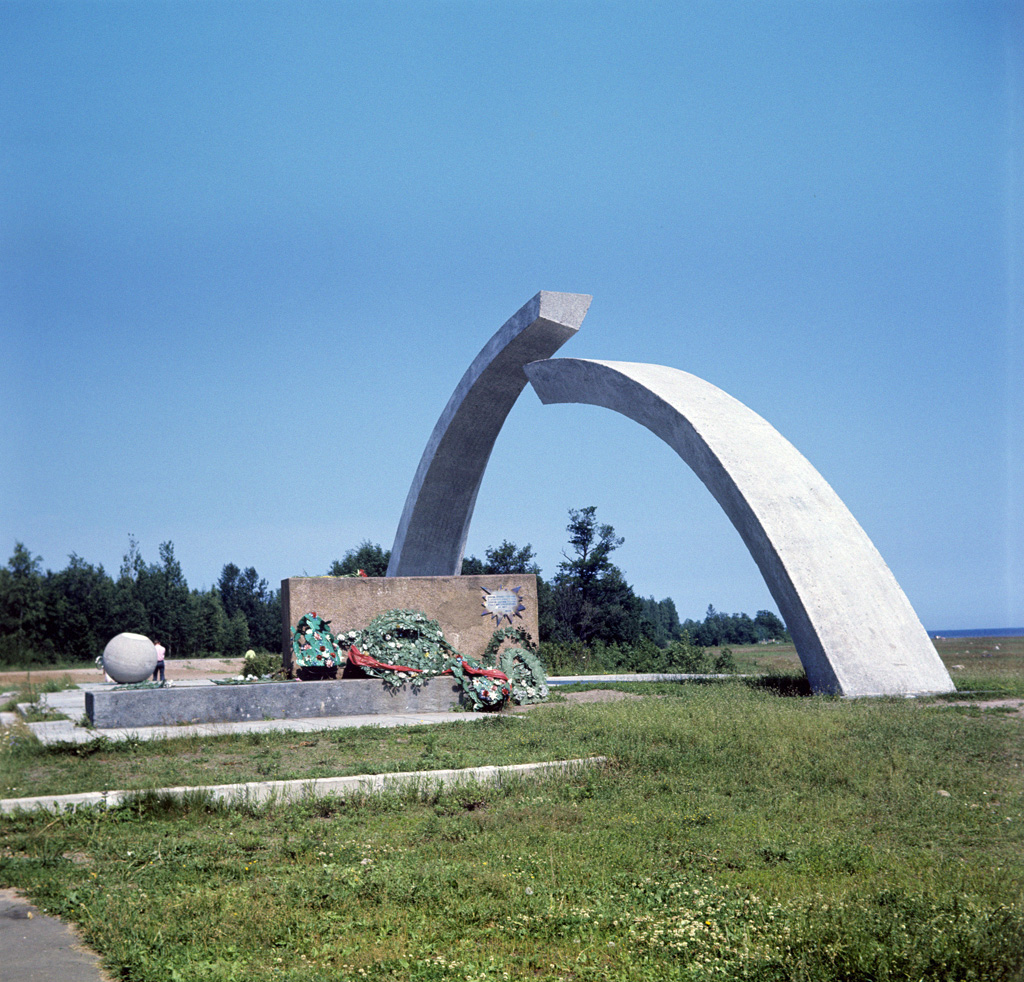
<point>161,653</point>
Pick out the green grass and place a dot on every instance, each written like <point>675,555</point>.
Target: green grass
<point>733,833</point>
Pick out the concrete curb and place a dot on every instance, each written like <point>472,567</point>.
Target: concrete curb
<point>258,792</point>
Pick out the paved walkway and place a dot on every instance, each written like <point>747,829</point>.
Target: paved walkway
<point>35,947</point>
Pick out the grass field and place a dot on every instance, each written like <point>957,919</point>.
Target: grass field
<point>733,833</point>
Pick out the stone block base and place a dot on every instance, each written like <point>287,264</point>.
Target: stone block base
<point>113,709</point>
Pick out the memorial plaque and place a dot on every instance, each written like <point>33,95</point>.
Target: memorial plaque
<point>502,604</point>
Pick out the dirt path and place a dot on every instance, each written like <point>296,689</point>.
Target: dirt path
<point>1015,707</point>
<point>177,668</point>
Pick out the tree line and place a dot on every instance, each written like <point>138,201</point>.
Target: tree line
<point>587,608</point>
<point>588,601</point>
<point>70,615</point>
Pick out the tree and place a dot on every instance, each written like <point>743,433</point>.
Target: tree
<point>718,629</point>
<point>163,592</point>
<point>769,627</point>
<point>660,621</point>
<point>369,557</point>
<point>80,604</point>
<point>709,633</point>
<point>23,608</point>
<point>236,636</point>
<point>129,612</point>
<point>471,566</point>
<point>593,544</point>
<point>592,600</point>
<point>243,591</point>
<point>509,559</point>
<point>209,622</point>
<point>506,558</point>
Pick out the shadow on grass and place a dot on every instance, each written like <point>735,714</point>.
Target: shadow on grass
<point>781,685</point>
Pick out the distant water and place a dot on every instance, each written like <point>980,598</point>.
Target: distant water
<point>982,632</point>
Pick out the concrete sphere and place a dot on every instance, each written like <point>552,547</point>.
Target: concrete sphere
<point>129,658</point>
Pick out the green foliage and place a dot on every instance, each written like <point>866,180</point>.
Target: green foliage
<point>739,629</point>
<point>591,599</point>
<point>244,591</point>
<point>369,557</point>
<point>569,658</point>
<point>659,621</point>
<point>23,609</point>
<point>685,656</point>
<point>262,665</point>
<point>643,656</point>
<point>725,661</point>
<point>70,615</point>
<point>236,637</point>
<point>506,558</point>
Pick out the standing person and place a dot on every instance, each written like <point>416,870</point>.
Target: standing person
<point>161,652</point>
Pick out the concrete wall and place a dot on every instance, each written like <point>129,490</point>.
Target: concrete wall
<point>455,602</point>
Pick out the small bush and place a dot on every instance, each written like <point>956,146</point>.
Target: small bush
<point>261,664</point>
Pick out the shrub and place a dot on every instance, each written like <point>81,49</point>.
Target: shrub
<point>261,665</point>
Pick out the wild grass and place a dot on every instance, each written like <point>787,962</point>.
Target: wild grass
<point>733,833</point>
<point>28,691</point>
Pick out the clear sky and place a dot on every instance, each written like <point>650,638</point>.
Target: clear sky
<point>247,250</point>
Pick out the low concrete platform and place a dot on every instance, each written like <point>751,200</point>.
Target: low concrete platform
<point>71,703</point>
<point>114,708</point>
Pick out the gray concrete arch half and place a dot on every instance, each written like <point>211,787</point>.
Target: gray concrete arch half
<point>854,628</point>
<point>431,536</point>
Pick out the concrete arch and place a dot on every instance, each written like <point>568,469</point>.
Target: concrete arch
<point>855,631</point>
<point>431,536</point>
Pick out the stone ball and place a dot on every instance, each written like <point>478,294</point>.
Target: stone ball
<point>129,658</point>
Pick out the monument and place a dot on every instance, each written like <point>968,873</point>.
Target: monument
<point>855,631</point>
<point>468,608</point>
<point>129,658</point>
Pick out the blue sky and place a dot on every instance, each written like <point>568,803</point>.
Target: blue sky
<point>248,250</point>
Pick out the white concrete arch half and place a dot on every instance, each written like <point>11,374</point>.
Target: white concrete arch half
<point>854,628</point>
<point>431,536</point>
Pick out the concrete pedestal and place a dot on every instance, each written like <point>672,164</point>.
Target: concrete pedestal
<point>112,708</point>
